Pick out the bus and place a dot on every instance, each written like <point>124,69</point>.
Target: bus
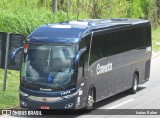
<point>74,64</point>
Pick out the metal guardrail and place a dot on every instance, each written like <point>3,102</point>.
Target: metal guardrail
<point>8,43</point>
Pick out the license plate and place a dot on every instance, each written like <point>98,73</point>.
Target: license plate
<point>44,107</point>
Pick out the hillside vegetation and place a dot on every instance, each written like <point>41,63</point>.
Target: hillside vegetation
<point>23,16</point>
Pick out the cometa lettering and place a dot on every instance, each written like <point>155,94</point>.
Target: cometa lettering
<point>104,68</point>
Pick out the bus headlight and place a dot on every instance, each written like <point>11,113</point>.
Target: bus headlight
<point>71,95</point>
<point>23,94</point>
<point>23,103</point>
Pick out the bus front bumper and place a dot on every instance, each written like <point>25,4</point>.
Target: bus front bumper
<point>68,103</point>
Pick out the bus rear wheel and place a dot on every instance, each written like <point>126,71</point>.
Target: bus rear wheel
<point>134,88</point>
<point>90,101</point>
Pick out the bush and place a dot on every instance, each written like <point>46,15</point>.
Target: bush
<point>136,10</point>
<point>25,16</point>
<point>24,21</point>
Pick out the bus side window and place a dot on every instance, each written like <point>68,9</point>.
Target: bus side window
<point>85,43</point>
<point>83,64</point>
<point>83,61</point>
<point>81,67</point>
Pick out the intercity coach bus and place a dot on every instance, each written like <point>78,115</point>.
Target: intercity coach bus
<point>74,64</point>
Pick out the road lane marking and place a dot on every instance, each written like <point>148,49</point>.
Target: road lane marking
<point>156,59</point>
<point>89,116</point>
<point>121,104</point>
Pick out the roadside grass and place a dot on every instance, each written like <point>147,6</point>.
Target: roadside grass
<point>10,97</point>
<point>156,39</point>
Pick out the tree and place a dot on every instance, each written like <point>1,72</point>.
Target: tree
<point>152,14</point>
<point>54,6</point>
<point>158,8</point>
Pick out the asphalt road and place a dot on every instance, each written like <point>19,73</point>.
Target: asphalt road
<point>147,97</point>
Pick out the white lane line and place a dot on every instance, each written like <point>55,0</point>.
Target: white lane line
<point>153,60</point>
<point>121,104</point>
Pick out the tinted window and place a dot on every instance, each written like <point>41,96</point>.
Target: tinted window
<point>85,43</point>
<point>119,41</point>
<point>141,37</point>
<point>138,37</point>
<point>126,40</point>
<point>101,46</point>
<point>148,35</point>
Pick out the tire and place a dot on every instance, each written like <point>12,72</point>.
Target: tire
<point>134,88</point>
<point>90,101</point>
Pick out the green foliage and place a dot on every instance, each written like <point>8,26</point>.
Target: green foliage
<point>9,98</point>
<point>95,8</point>
<point>136,10</point>
<point>156,39</point>
<point>152,13</point>
<point>145,7</point>
<point>118,8</point>
<point>24,21</point>
<point>23,16</point>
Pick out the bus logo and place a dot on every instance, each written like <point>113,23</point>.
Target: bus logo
<point>49,78</point>
<point>104,68</point>
<point>44,99</point>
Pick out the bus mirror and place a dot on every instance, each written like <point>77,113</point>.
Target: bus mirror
<point>13,54</point>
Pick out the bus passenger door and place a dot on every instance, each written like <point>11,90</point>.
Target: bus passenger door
<point>81,86</point>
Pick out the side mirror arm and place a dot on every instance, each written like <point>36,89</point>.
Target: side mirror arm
<point>80,52</point>
<point>13,54</point>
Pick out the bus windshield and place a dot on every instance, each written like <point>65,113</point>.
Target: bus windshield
<point>48,67</point>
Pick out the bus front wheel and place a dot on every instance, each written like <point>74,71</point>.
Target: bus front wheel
<point>90,101</point>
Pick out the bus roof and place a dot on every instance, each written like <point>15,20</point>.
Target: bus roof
<point>71,32</point>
